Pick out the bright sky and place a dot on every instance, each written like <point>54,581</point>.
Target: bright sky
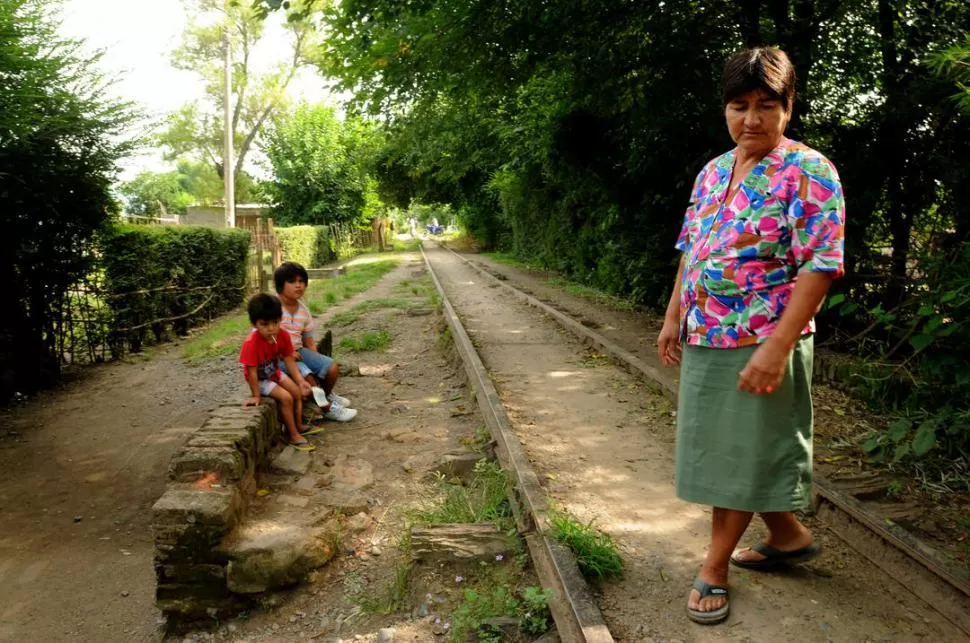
<point>139,36</point>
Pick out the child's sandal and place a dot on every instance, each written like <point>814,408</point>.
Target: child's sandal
<point>301,445</point>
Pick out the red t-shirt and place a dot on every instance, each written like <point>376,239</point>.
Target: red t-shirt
<point>266,357</point>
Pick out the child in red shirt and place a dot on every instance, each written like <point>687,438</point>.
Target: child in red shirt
<point>261,355</point>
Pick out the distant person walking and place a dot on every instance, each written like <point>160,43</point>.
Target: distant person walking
<point>762,241</point>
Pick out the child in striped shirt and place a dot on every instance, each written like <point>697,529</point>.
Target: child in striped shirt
<point>291,280</point>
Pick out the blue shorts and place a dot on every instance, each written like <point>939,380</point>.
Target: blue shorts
<point>312,363</point>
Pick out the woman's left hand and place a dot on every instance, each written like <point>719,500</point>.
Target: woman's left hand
<point>764,371</point>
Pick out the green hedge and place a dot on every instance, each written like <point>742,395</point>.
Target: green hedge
<point>309,245</point>
<point>170,278</point>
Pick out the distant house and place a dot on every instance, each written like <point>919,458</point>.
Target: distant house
<point>215,216</point>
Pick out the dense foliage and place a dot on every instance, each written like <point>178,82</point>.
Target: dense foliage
<point>59,141</point>
<point>163,279</point>
<point>190,183</point>
<point>570,132</point>
<point>321,167</point>
<point>309,246</point>
<point>260,77</point>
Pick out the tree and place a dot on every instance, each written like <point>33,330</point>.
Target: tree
<point>570,132</point>
<point>205,185</point>
<point>954,63</point>
<point>321,167</point>
<point>155,194</point>
<point>190,183</point>
<point>197,128</point>
<point>60,139</point>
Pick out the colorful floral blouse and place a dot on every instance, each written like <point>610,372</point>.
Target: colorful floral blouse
<point>742,258</point>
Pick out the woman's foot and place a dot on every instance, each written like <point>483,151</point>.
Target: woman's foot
<point>795,550</point>
<point>708,601</point>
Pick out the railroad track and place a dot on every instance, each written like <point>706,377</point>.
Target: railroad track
<point>920,569</point>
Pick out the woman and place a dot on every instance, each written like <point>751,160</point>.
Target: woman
<point>761,243</point>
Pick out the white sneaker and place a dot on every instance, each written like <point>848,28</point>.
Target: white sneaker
<point>339,413</point>
<point>339,399</point>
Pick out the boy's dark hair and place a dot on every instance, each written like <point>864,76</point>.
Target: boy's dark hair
<point>287,272</point>
<point>264,307</point>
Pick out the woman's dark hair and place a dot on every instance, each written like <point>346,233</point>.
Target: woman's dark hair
<point>264,307</point>
<point>766,68</point>
<point>287,272</point>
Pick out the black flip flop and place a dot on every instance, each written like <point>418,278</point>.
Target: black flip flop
<point>774,558</point>
<point>713,617</point>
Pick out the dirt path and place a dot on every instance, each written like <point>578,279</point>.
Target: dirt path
<point>603,445</point>
<point>413,409</point>
<point>83,465</point>
<point>81,468</point>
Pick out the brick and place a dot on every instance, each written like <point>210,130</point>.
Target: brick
<point>190,573</point>
<point>241,440</point>
<point>256,435</point>
<point>238,438</point>
<point>192,463</point>
<point>174,591</point>
<point>196,600</point>
<point>179,506</point>
<point>197,547</point>
<point>220,608</point>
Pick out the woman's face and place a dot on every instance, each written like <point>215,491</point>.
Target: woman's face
<point>757,121</point>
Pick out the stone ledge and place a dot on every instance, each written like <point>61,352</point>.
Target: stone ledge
<point>212,480</point>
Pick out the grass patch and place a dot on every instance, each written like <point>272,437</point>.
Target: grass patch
<point>420,287</point>
<point>323,293</point>
<point>393,596</point>
<point>483,500</point>
<point>370,341</point>
<point>492,598</point>
<point>573,288</point>
<point>593,359</point>
<point>511,260</point>
<point>223,337</point>
<point>478,441</point>
<point>406,244</point>
<point>595,551</point>
<point>598,296</point>
<point>350,316</point>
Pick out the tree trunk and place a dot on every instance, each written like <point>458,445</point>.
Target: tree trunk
<point>891,144</point>
<point>749,20</point>
<point>796,26</point>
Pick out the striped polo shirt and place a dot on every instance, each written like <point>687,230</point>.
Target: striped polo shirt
<point>298,324</point>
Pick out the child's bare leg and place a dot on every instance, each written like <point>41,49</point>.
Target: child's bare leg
<point>285,399</point>
<point>330,380</point>
<point>297,395</point>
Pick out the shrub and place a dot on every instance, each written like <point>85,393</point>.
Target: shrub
<point>163,278</point>
<point>61,135</point>
<point>311,246</point>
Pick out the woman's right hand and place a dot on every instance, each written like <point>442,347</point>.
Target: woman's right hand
<point>668,343</point>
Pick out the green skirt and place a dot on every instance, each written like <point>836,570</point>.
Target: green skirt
<point>736,450</point>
